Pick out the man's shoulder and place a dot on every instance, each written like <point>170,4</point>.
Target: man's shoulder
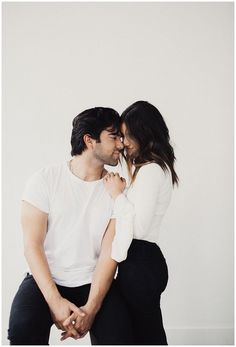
<point>50,172</point>
<point>41,186</point>
<point>53,168</point>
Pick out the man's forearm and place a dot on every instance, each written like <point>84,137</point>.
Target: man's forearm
<point>38,264</point>
<point>34,225</point>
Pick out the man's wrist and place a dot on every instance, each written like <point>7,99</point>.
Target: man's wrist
<point>52,295</point>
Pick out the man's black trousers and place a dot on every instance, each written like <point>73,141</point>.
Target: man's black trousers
<point>130,314</point>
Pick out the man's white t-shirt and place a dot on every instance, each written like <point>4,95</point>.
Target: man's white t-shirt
<point>78,215</point>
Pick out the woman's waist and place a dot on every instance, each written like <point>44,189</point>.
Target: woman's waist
<point>141,250</point>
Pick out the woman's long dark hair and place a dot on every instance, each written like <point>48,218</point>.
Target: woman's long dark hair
<point>147,127</point>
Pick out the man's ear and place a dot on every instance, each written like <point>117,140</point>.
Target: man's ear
<point>89,142</point>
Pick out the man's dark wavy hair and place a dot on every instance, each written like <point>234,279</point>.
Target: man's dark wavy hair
<point>147,127</point>
<point>92,121</point>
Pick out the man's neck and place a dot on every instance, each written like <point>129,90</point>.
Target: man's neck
<point>87,169</point>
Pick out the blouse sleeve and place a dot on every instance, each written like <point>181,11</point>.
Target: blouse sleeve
<point>123,212</point>
<point>136,217</point>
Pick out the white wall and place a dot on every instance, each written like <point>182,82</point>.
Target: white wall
<point>60,58</point>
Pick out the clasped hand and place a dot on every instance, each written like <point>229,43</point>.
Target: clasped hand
<point>74,321</point>
<point>78,323</point>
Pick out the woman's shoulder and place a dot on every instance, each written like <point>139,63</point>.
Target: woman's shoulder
<point>153,172</point>
<point>150,168</point>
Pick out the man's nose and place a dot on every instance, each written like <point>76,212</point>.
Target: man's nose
<point>120,145</point>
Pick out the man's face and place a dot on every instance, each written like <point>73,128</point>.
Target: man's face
<point>109,147</point>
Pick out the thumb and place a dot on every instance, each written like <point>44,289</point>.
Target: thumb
<point>77,310</point>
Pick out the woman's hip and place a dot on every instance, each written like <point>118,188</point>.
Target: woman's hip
<point>143,276</point>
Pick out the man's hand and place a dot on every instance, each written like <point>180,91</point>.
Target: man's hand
<point>61,309</point>
<point>81,324</point>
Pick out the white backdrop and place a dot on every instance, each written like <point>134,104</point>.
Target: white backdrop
<point>60,58</point>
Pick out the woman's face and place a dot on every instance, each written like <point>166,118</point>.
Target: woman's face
<point>130,144</point>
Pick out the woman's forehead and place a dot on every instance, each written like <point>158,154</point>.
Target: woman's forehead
<point>123,128</point>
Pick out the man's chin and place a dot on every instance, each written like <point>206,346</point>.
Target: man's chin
<point>113,162</point>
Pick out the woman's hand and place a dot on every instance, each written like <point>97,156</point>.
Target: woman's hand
<point>114,184</point>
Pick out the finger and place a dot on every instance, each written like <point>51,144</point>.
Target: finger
<point>77,310</point>
<point>78,324</point>
<point>107,179</point>
<point>111,174</point>
<point>80,312</point>
<point>65,335</point>
<point>71,333</point>
<point>82,333</point>
<point>70,321</point>
<point>75,334</point>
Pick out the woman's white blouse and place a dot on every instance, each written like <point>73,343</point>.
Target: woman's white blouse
<point>140,209</point>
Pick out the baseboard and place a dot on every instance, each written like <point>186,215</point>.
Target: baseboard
<point>200,336</point>
<point>175,336</point>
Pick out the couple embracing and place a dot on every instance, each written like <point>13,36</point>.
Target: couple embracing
<point>91,236</point>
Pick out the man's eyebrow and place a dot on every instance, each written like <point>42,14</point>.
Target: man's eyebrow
<point>114,132</point>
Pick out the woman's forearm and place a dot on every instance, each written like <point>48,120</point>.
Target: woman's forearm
<point>102,279</point>
<point>104,272</point>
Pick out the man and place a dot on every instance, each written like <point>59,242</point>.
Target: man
<point>65,212</point>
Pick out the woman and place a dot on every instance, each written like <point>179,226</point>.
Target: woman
<point>142,270</point>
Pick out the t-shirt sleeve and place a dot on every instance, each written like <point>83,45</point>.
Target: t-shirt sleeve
<point>36,192</point>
